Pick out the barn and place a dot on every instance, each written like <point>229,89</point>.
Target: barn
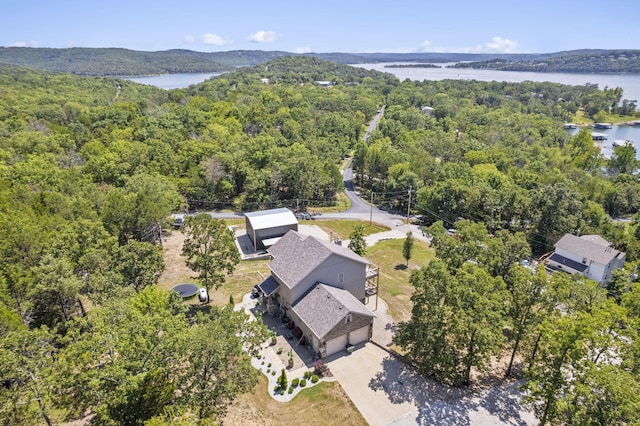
<point>265,227</point>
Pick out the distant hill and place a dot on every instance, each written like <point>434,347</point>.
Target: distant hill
<point>580,61</point>
<point>301,69</point>
<point>107,62</point>
<point>124,62</point>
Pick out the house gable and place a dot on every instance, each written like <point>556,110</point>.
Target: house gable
<point>329,312</point>
<point>589,255</point>
<point>300,261</point>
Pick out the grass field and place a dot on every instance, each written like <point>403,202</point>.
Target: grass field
<point>343,228</point>
<point>325,403</point>
<point>395,288</point>
<point>245,276</point>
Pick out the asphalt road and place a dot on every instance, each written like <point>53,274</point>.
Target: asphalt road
<point>360,209</point>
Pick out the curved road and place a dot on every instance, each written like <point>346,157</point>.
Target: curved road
<point>360,209</point>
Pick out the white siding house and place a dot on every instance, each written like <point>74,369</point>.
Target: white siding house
<point>589,255</point>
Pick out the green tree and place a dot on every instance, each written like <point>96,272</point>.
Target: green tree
<point>282,380</point>
<point>573,357</point>
<point>215,366</point>
<point>456,321</point>
<point>27,363</point>
<point>140,264</point>
<point>528,305</point>
<point>623,160</point>
<point>120,358</point>
<point>407,248</point>
<point>210,249</point>
<point>619,283</point>
<point>357,244</point>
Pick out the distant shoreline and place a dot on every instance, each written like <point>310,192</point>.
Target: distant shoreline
<point>412,66</point>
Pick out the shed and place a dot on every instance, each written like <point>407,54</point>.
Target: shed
<point>265,227</point>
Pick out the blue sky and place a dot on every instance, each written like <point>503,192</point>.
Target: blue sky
<point>323,26</point>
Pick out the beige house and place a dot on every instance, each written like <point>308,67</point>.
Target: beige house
<point>321,287</point>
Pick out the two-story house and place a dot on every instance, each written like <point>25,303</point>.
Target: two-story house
<point>321,287</point>
<point>589,255</point>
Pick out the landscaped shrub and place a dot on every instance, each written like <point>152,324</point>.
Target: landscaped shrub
<point>276,388</point>
<point>281,392</point>
<point>269,365</point>
<point>273,373</point>
<point>314,378</point>
<point>303,383</point>
<point>290,389</point>
<point>268,370</point>
<point>295,382</point>
<point>307,374</point>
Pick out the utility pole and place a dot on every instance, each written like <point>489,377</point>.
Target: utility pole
<point>409,205</point>
<point>371,209</point>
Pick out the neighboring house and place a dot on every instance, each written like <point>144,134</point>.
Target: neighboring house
<point>589,255</point>
<point>265,227</point>
<point>321,287</point>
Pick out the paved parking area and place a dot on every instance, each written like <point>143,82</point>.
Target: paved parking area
<point>387,392</point>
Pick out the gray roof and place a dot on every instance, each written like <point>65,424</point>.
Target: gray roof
<point>297,255</point>
<point>591,247</point>
<point>576,266</point>
<point>324,307</point>
<point>269,286</point>
<point>271,218</point>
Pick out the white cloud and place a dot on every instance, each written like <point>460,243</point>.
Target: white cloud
<point>305,49</point>
<point>215,39</point>
<point>31,43</point>
<point>264,37</point>
<point>425,46</point>
<point>189,39</point>
<point>498,45</point>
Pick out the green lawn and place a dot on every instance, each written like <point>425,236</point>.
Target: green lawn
<point>342,204</point>
<point>343,228</point>
<point>325,403</point>
<point>395,288</point>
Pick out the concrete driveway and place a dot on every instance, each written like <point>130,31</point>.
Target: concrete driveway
<point>388,393</point>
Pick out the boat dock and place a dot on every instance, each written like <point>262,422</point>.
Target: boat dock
<point>598,136</point>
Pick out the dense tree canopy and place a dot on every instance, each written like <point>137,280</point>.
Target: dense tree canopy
<point>91,168</point>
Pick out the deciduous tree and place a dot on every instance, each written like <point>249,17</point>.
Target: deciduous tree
<point>357,244</point>
<point>210,249</point>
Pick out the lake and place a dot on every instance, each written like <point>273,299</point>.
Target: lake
<point>630,83</point>
<point>174,81</point>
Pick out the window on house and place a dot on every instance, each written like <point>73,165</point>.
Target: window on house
<point>348,319</point>
<point>341,278</point>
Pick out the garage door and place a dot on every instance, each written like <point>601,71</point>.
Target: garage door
<point>358,336</point>
<point>336,345</point>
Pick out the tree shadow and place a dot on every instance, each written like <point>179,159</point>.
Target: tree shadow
<point>400,267</point>
<point>440,404</point>
<point>505,402</point>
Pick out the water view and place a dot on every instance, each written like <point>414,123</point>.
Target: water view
<point>630,83</point>
<point>174,81</point>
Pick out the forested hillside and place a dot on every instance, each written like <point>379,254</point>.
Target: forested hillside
<point>124,62</point>
<point>609,61</point>
<point>108,61</point>
<point>90,168</point>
